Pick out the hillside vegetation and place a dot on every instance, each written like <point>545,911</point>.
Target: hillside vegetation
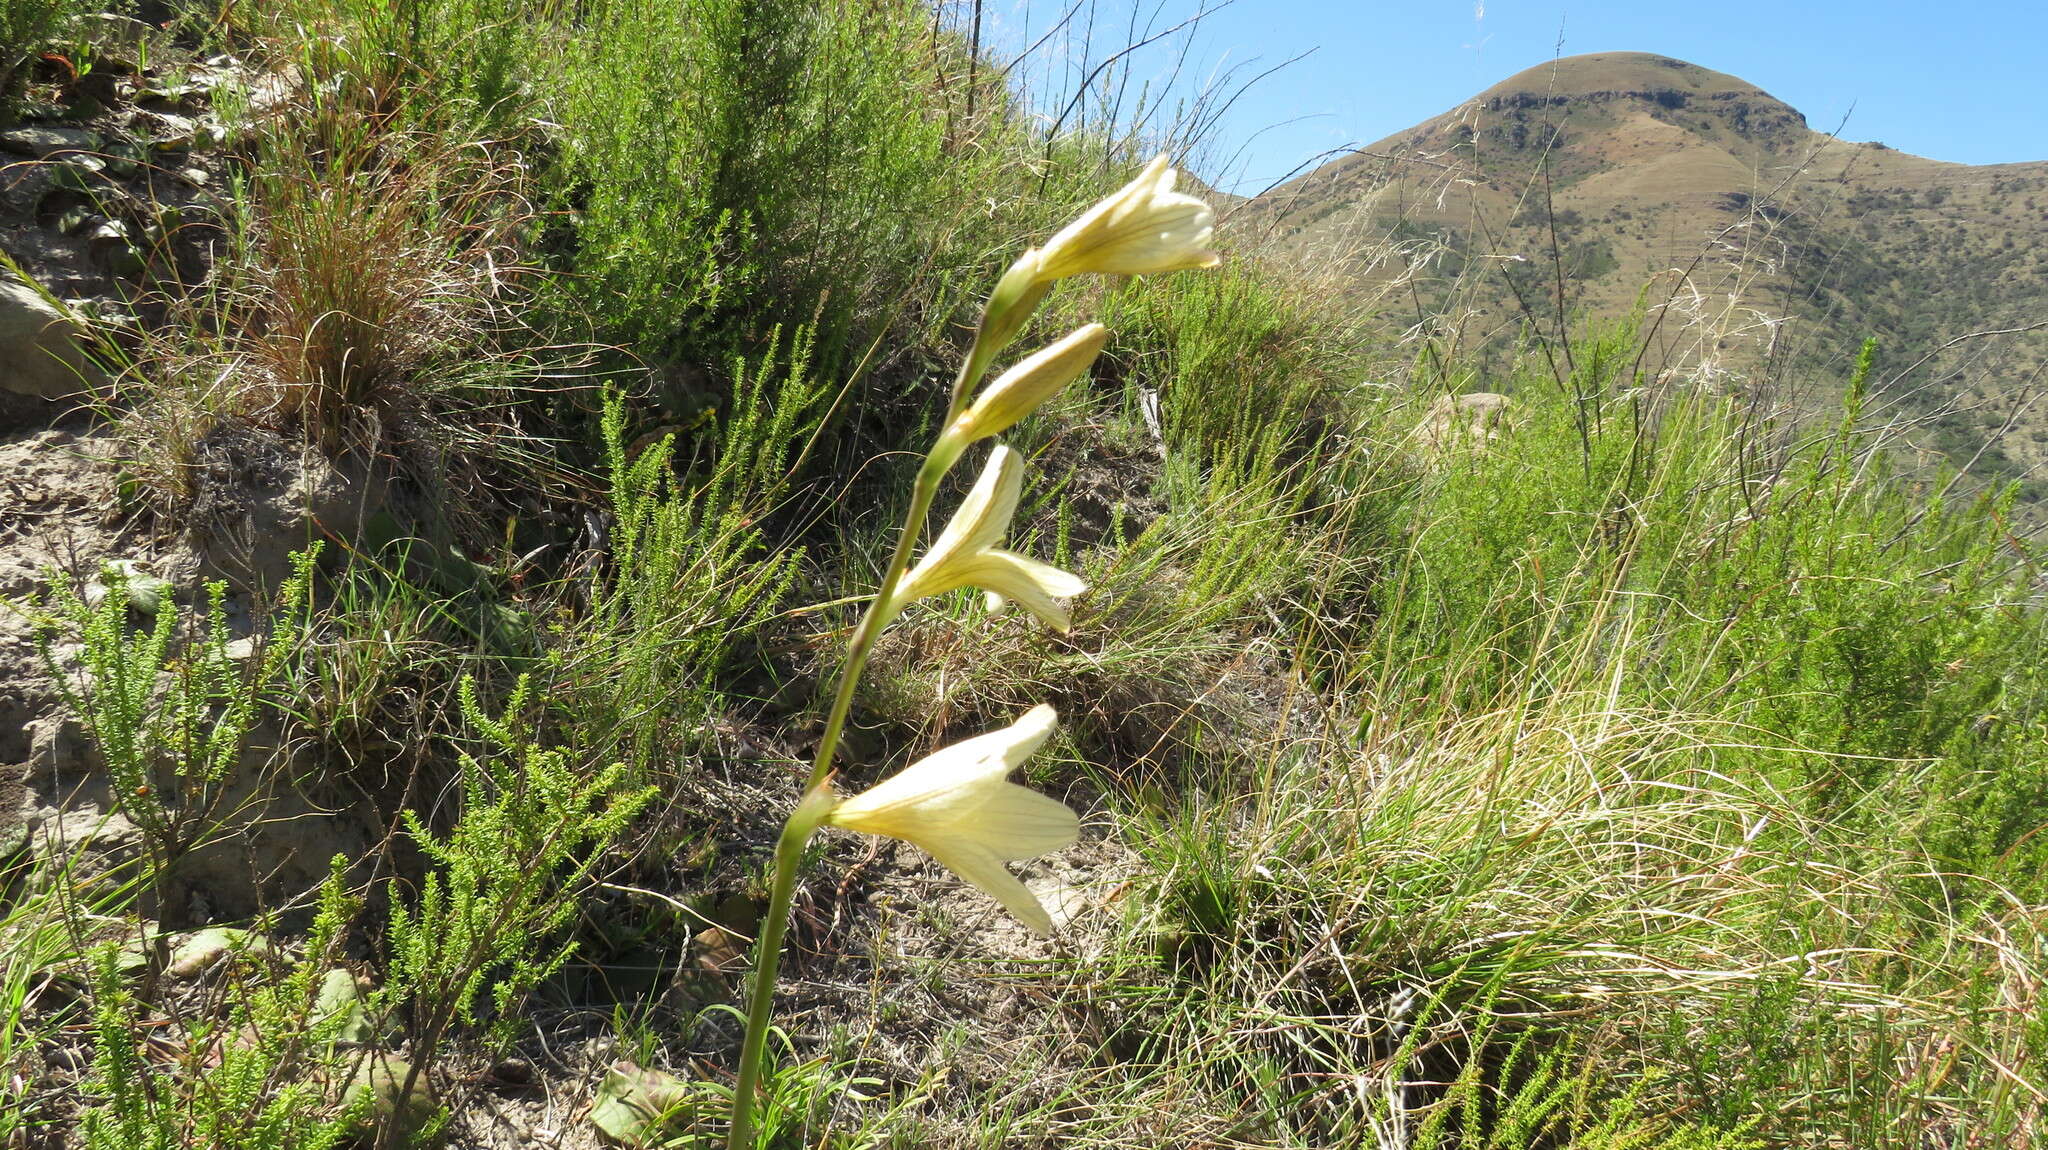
<point>487,423</point>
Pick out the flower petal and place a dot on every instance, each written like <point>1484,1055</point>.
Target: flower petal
<point>975,864</point>
<point>1007,575</point>
<point>958,806</point>
<point>1141,228</point>
<point>1017,822</point>
<point>940,785</point>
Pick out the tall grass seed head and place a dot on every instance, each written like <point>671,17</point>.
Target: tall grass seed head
<point>959,806</point>
<point>968,552</point>
<point>1143,227</point>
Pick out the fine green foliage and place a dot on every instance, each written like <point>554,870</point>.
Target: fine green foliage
<point>484,927</point>
<point>265,1083</point>
<point>170,712</point>
<point>27,27</point>
<point>690,578</point>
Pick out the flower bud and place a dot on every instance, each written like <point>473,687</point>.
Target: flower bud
<point>1024,388</point>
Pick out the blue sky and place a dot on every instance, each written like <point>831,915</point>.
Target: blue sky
<point>1960,81</point>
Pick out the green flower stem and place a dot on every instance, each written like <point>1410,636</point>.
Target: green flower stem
<point>818,799</point>
<point>789,856</point>
<point>877,617</point>
<point>882,608</point>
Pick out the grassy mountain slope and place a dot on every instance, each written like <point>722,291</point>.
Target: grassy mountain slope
<point>1626,169</point>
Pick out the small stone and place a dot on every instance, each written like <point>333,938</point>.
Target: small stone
<point>199,951</point>
<point>512,1072</point>
<point>170,132</point>
<point>126,262</point>
<point>73,177</point>
<point>23,185</point>
<point>122,159</point>
<point>83,161</point>
<point>193,177</point>
<point>341,997</point>
<point>107,232</point>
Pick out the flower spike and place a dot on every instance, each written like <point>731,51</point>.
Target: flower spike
<point>968,552</point>
<point>958,806</point>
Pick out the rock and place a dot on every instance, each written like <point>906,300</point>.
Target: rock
<point>1474,417</point>
<point>79,218</point>
<point>43,142</point>
<point>85,830</point>
<point>201,950</point>
<point>641,1107</point>
<point>39,351</point>
<point>512,1074</point>
<point>23,184</point>
<point>110,30</point>
<point>145,592</point>
<point>170,132</point>
<point>60,748</point>
<point>85,162</point>
<point>123,159</point>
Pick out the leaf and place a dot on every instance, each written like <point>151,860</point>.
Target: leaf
<point>637,1106</point>
<point>200,950</point>
<point>339,995</point>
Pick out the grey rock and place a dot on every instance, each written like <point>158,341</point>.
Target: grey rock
<point>391,1107</point>
<point>39,351</point>
<point>122,159</point>
<point>84,161</point>
<point>1470,419</point>
<point>40,141</point>
<point>86,828</point>
<point>23,184</point>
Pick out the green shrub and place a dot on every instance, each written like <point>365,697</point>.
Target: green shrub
<point>27,27</point>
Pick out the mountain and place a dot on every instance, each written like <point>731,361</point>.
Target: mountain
<point>1756,245</point>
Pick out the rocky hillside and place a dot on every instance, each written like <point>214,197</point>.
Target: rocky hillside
<point>1626,169</point>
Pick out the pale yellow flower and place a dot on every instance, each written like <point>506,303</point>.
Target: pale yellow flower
<point>1143,227</point>
<point>1024,388</point>
<point>959,806</point>
<point>968,552</point>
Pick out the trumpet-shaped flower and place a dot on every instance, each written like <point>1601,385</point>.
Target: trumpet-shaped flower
<point>959,806</point>
<point>1143,227</point>
<point>968,552</point>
